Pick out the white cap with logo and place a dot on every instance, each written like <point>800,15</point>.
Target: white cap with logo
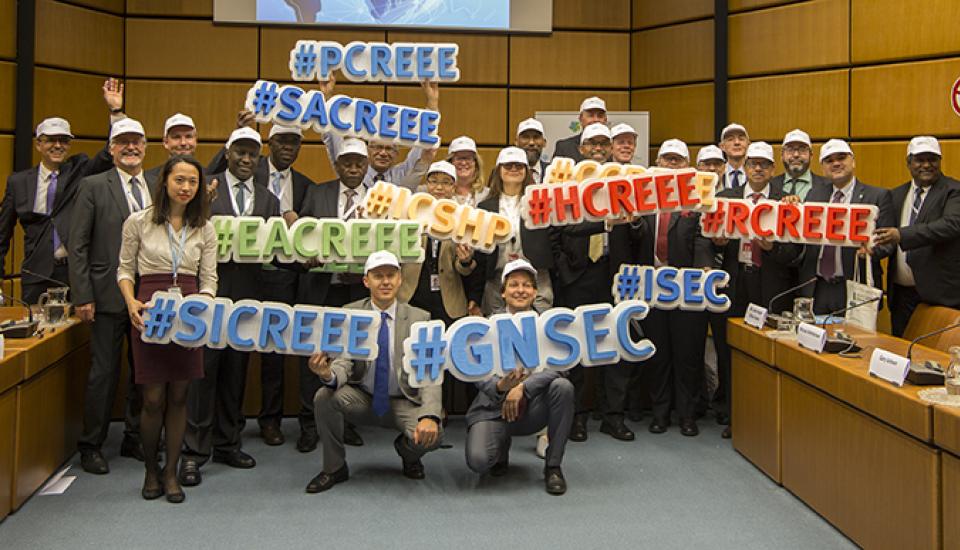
<point>54,126</point>
<point>710,152</point>
<point>443,167</point>
<point>593,103</point>
<point>622,128</point>
<point>924,144</point>
<point>380,258</point>
<point>462,143</point>
<point>733,127</point>
<point>674,146</point>
<point>834,146</point>
<point>278,129</point>
<point>178,119</point>
<point>797,136</point>
<point>594,130</point>
<point>352,146</point>
<point>244,133</point>
<point>126,126</point>
<point>760,150</point>
<point>530,124</point>
<point>512,154</point>
<point>517,265</point>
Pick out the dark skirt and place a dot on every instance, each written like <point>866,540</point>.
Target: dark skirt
<point>161,363</point>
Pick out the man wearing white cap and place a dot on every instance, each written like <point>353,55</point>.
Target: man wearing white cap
<point>520,403</point>
<point>926,243</point>
<point>530,138</point>
<point>376,392</point>
<point>797,178</point>
<point>596,143</point>
<point>624,143</point>
<point>833,265</point>
<point>673,154</point>
<point>734,142</point>
<point>710,159</point>
<point>215,402</point>
<point>102,204</point>
<point>179,138</point>
<point>593,110</point>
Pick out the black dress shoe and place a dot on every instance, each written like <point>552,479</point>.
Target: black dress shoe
<point>658,425</point>
<point>722,418</point>
<point>553,480</point>
<point>190,473</point>
<point>727,434</point>
<point>578,432</point>
<point>131,448</point>
<point>617,429</point>
<point>93,462</point>
<point>688,427</point>
<point>235,459</point>
<point>351,437</point>
<point>307,441</point>
<point>271,435</point>
<point>412,469</point>
<point>324,481</point>
<point>500,468</point>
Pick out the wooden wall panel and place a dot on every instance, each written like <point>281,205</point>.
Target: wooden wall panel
<point>562,59</point>
<point>85,108</point>
<point>525,103</point>
<point>807,35</point>
<point>651,13</point>
<point>482,58</point>
<point>673,55</point>
<point>584,14</point>
<point>112,6</point>
<point>6,159</point>
<point>213,105</point>
<point>884,163</point>
<point>8,438</point>
<point>192,8</point>
<point>8,96</point>
<point>683,112</point>
<point>156,47</point>
<point>8,29</point>
<point>276,43</point>
<point>904,99</point>
<point>892,29</point>
<point>771,106</point>
<point>950,480</point>
<point>78,38</point>
<point>741,5</point>
<point>459,112</point>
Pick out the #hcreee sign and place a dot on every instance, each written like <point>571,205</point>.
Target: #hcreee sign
<point>290,105</point>
<point>375,61</point>
<point>252,239</point>
<point>248,325</point>
<point>474,349</point>
<point>667,287</point>
<point>806,223</point>
<point>441,218</point>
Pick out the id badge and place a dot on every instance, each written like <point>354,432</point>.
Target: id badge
<point>746,252</point>
<point>434,283</point>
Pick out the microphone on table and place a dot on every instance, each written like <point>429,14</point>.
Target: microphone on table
<point>841,342</point>
<point>44,277</point>
<point>773,318</point>
<point>928,373</point>
<point>18,329</point>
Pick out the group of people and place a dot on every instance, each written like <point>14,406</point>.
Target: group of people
<point>118,232</point>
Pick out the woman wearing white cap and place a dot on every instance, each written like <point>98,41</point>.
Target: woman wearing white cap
<point>508,180</point>
<point>470,188</point>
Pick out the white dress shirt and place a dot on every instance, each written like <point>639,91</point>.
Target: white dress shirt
<point>904,275</point>
<point>40,202</point>
<point>285,194</point>
<point>125,179</point>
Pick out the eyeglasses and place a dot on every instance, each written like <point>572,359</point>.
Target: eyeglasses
<point>513,166</point>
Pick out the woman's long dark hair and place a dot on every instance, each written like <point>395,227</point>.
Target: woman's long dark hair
<point>496,182</point>
<point>197,211</point>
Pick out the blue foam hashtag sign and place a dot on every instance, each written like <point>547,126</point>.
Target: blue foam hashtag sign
<point>628,282</point>
<point>158,319</point>
<point>305,61</point>
<point>265,97</point>
<point>428,352</point>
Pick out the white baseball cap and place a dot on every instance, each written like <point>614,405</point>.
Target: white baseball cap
<point>352,146</point>
<point>594,130</point>
<point>512,154</point>
<point>126,126</point>
<point>443,167</point>
<point>517,265</point>
<point>178,119</point>
<point>529,124</point>
<point>244,133</point>
<point>760,150</point>
<point>797,136</point>
<point>622,129</point>
<point>462,143</point>
<point>924,144</point>
<point>674,146</point>
<point>834,146</point>
<point>593,103</point>
<point>733,127</point>
<point>709,152</point>
<point>380,258</point>
<point>281,129</point>
<point>55,126</point>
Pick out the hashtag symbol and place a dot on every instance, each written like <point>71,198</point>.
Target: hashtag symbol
<point>224,228</point>
<point>540,206</point>
<point>559,171</point>
<point>428,352</point>
<point>304,61</point>
<point>265,97</point>
<point>159,318</point>
<point>628,282</point>
<point>378,201</point>
<point>711,222</point>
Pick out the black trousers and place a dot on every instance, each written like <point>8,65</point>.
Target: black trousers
<point>31,291</point>
<point>107,335</point>
<point>718,327</point>
<point>215,404</point>
<point>278,286</point>
<point>675,372</point>
<point>903,300</point>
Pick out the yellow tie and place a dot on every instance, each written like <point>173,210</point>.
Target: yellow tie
<point>596,247</point>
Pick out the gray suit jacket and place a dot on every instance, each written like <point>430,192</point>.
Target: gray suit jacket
<point>95,233</point>
<point>489,401</point>
<point>348,371</point>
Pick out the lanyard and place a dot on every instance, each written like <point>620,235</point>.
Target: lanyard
<point>176,249</point>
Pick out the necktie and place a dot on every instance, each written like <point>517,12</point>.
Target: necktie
<point>735,178</point>
<point>51,198</point>
<point>756,256</point>
<point>241,197</point>
<point>663,226</point>
<point>135,191</point>
<point>378,177</point>
<point>275,184</point>
<point>914,211</point>
<point>828,260</point>
<point>595,252</point>
<point>381,379</point>
<point>793,187</point>
<point>348,204</point>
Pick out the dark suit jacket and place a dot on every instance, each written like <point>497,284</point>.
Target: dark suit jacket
<point>932,243</point>
<point>568,147</point>
<point>237,280</point>
<point>686,247</point>
<point>18,202</point>
<point>320,201</point>
<point>95,234</point>
<point>862,194</point>
<point>301,183</point>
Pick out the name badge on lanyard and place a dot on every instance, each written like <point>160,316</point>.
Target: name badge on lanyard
<point>435,277</point>
<point>176,252</point>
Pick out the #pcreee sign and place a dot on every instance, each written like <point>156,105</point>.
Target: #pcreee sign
<point>375,61</point>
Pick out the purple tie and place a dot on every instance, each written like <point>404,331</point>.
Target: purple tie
<point>51,198</point>
<point>828,260</point>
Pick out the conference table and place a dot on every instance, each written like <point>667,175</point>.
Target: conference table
<point>42,380</point>
<point>875,460</point>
